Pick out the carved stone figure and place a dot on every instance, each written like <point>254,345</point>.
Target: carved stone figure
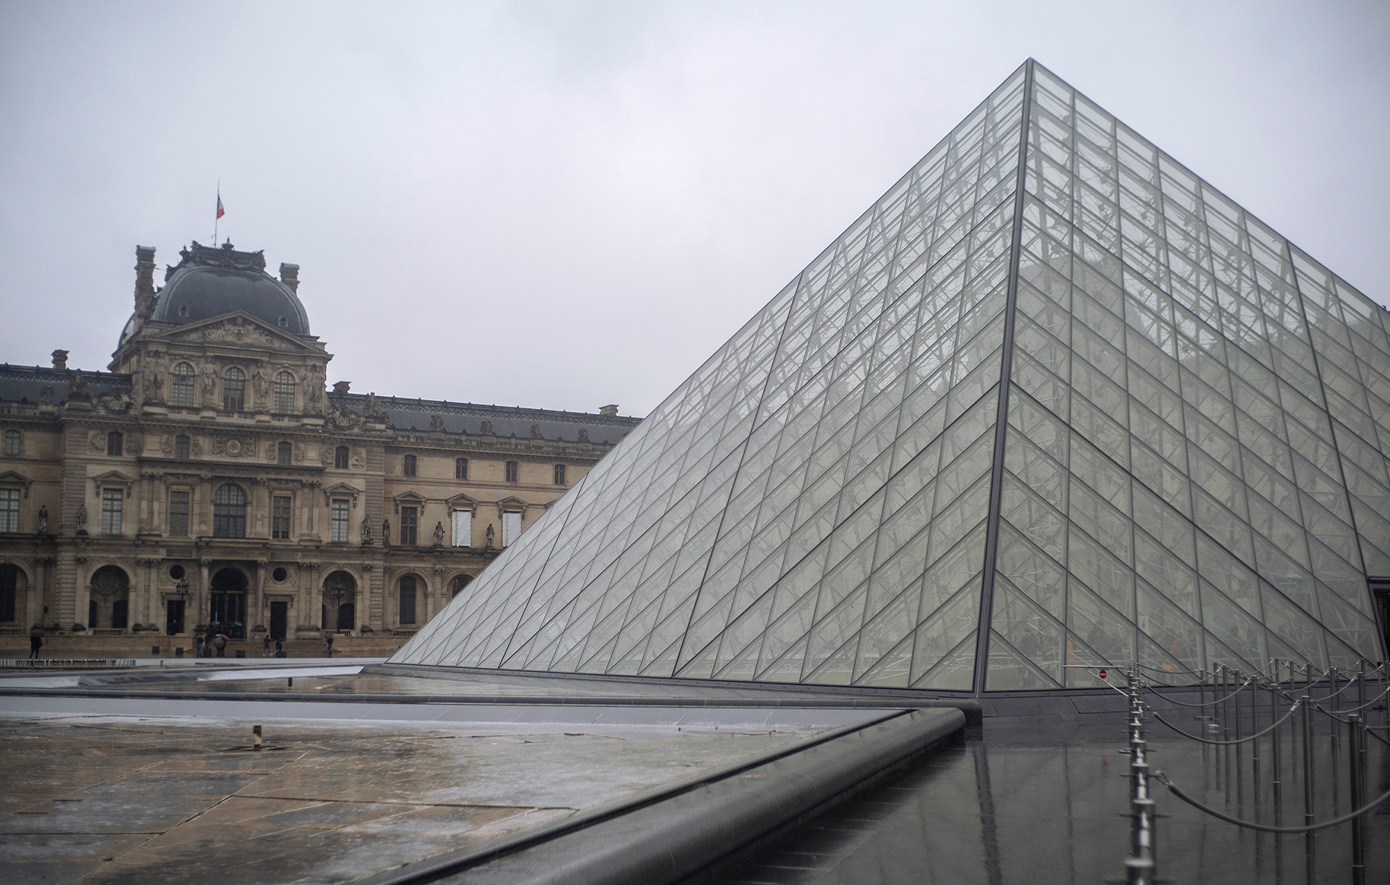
<point>81,517</point>
<point>46,396</point>
<point>386,532</point>
<point>209,376</point>
<point>485,427</point>
<point>260,386</point>
<point>583,435</point>
<point>371,409</point>
<point>154,377</point>
<point>43,519</point>
<point>439,534</point>
<point>313,385</point>
<point>366,530</point>
<point>437,424</point>
<point>77,386</point>
<point>491,533</point>
<point>535,431</point>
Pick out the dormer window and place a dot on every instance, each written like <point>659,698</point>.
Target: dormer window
<point>284,322</point>
<point>183,310</point>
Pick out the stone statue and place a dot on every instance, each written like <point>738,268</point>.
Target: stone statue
<point>313,389</point>
<point>437,424</point>
<point>209,385</point>
<point>43,519</point>
<point>77,386</point>
<point>82,517</point>
<point>46,396</point>
<point>490,534</point>
<point>366,530</point>
<point>439,534</point>
<point>260,385</point>
<point>371,409</point>
<point>485,427</point>
<point>386,533</point>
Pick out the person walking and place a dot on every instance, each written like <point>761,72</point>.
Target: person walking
<point>35,641</point>
<point>328,638</point>
<point>219,642</point>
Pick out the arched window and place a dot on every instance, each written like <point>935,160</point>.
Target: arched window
<point>183,390</point>
<point>115,443</point>
<point>408,465</point>
<point>457,584</point>
<point>559,474</point>
<point>460,468</point>
<point>284,453</point>
<point>512,470</point>
<point>340,458</point>
<point>108,602</point>
<point>181,447</point>
<point>229,512</point>
<point>284,392</point>
<point>408,594</point>
<point>233,389</point>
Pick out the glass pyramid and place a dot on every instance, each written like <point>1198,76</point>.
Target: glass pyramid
<point>1052,399</point>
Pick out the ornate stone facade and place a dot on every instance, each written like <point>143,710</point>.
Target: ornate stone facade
<point>210,477</point>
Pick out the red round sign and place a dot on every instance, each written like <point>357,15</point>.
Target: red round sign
<point>1102,674</point>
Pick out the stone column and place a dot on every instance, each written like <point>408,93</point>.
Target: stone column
<point>34,602</point>
<point>204,591</point>
<point>259,623</point>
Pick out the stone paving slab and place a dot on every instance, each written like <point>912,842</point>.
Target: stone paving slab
<point>151,797</point>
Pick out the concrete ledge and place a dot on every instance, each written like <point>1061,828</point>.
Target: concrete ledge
<point>675,836</point>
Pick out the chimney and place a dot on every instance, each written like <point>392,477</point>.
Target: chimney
<point>60,360</point>
<point>289,275</point>
<point>144,281</point>
<point>340,388</point>
<point>608,410</point>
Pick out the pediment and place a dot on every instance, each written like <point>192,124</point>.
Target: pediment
<point>512,503</point>
<point>112,478</point>
<point>237,329</point>
<point>461,501</point>
<point>14,477</point>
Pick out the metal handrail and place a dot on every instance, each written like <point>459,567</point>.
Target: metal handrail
<point>1247,739</point>
<point>1265,828</point>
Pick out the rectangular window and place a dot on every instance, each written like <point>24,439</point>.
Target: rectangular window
<point>181,447</point>
<point>9,510</point>
<point>512,471</point>
<point>408,465</point>
<point>407,599</point>
<point>511,528</point>
<point>338,521</point>
<point>460,467</point>
<point>340,458</point>
<point>462,523</point>
<point>111,500</point>
<point>559,474</point>
<point>11,442</point>
<point>178,513</point>
<point>410,517</point>
<point>280,517</point>
<point>182,389</point>
<point>284,453</point>
<point>115,443</point>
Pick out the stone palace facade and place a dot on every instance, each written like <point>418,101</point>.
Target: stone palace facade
<point>211,477</point>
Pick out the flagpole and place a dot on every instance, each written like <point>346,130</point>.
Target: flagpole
<point>217,216</point>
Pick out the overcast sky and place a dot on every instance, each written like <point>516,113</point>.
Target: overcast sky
<point>562,205</point>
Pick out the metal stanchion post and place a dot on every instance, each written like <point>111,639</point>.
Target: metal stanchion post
<point>1358,843</point>
<point>1140,866</point>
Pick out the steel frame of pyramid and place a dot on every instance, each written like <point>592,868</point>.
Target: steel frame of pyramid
<point>1052,400</point>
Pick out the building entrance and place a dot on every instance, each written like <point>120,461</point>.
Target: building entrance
<point>229,602</point>
<point>279,619</point>
<point>173,617</point>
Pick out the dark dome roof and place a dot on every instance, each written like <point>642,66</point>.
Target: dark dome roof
<point>210,282</point>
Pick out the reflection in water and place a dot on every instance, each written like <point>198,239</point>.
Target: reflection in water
<point>1015,805</point>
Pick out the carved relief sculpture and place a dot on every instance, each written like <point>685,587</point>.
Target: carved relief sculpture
<point>437,424</point>
<point>439,534</point>
<point>209,376</point>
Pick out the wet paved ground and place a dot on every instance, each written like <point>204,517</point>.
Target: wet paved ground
<point>1028,801</point>
<point>162,798</point>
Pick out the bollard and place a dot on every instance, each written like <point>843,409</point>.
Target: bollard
<point>255,737</point>
<point>1278,783</point>
<point>291,681</point>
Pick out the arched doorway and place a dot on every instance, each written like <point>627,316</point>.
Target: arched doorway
<point>108,605</point>
<point>228,603</point>
<point>13,588</point>
<point>339,602</point>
